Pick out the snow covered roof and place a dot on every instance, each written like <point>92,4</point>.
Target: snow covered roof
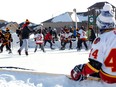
<point>65,17</point>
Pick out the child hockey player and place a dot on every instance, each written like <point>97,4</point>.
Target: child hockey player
<point>1,36</point>
<point>8,37</point>
<point>5,39</point>
<point>39,40</point>
<point>67,39</point>
<point>82,39</point>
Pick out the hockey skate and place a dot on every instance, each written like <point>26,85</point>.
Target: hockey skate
<point>26,53</point>
<point>35,50</point>
<point>62,48</point>
<point>19,51</point>
<point>10,52</point>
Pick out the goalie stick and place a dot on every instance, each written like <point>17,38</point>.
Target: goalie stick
<point>86,78</point>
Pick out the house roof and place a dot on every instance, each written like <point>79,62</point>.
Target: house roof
<point>99,5</point>
<point>65,17</point>
<point>49,20</point>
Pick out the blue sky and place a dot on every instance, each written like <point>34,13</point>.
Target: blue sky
<point>40,10</point>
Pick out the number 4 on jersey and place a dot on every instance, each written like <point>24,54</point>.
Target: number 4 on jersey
<point>111,60</point>
<point>94,54</point>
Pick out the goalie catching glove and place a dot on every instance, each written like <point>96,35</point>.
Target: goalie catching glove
<point>76,73</point>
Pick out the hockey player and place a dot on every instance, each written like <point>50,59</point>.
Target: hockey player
<point>8,37</point>
<point>48,38</point>
<point>62,36</point>
<point>102,57</point>
<point>5,42</point>
<point>25,32</point>
<point>39,40</point>
<point>82,39</point>
<point>67,39</point>
<point>18,32</point>
<point>1,36</point>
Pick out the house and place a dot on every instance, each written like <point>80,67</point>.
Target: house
<point>66,19</point>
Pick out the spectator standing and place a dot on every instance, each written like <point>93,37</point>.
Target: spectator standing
<point>91,34</point>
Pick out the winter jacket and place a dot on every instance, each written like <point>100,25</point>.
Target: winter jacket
<point>48,36</point>
<point>25,32</point>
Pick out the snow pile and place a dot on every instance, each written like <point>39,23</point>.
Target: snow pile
<point>7,80</point>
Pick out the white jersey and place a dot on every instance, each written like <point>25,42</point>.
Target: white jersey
<point>67,35</point>
<point>62,35</point>
<point>104,51</point>
<point>39,38</point>
<point>82,34</point>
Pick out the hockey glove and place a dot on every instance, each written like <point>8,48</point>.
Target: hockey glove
<point>76,73</point>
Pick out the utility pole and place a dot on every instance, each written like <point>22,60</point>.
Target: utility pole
<point>74,10</point>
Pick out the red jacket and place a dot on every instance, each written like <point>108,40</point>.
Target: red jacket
<point>48,36</point>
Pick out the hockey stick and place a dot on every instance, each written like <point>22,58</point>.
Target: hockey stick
<point>12,67</point>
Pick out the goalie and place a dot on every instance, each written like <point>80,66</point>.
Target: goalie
<point>102,57</point>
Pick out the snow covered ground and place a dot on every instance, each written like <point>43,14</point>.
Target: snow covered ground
<point>53,61</point>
